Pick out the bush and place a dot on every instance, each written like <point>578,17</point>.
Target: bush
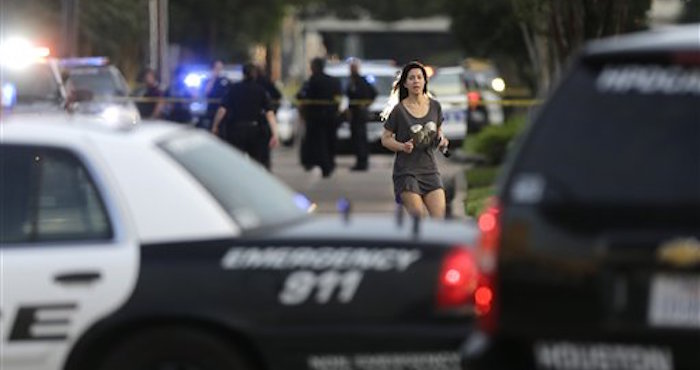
<point>478,177</point>
<point>494,141</point>
<point>477,199</point>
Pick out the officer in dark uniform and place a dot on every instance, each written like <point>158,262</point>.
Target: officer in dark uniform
<point>240,115</point>
<point>361,94</point>
<point>151,106</point>
<point>215,89</point>
<point>319,96</point>
<point>276,97</point>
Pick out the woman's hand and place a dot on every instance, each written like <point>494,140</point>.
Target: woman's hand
<point>443,142</point>
<point>408,146</point>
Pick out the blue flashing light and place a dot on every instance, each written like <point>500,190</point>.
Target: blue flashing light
<point>86,61</point>
<point>198,107</point>
<point>371,79</point>
<point>9,95</point>
<point>343,205</point>
<point>194,80</point>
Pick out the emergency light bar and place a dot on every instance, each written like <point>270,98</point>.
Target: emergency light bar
<point>18,53</point>
<point>84,61</point>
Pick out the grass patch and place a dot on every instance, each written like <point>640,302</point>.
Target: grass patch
<point>477,199</point>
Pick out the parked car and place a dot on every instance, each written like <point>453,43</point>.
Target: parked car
<point>590,256</point>
<point>288,123</point>
<point>107,86</point>
<point>447,86</point>
<point>160,246</point>
<point>467,96</point>
<point>381,74</point>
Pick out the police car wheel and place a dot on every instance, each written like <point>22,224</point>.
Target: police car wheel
<point>172,348</point>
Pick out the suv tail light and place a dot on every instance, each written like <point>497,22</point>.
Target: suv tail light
<point>485,295</point>
<point>458,279</point>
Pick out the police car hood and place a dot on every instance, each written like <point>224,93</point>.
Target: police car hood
<point>380,228</point>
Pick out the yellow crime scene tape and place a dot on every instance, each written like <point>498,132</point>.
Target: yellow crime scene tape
<point>312,102</point>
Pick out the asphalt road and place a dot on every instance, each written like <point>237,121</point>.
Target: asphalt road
<point>368,191</point>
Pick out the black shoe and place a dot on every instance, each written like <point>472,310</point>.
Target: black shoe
<point>358,167</point>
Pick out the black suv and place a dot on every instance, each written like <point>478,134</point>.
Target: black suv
<point>591,253</point>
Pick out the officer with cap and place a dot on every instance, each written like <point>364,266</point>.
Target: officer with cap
<point>239,119</point>
<point>360,94</point>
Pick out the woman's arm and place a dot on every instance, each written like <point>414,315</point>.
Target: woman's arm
<point>389,142</point>
<point>443,140</point>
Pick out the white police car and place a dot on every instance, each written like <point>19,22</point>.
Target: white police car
<point>157,246</point>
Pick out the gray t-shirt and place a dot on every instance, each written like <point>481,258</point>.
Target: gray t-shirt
<point>422,159</point>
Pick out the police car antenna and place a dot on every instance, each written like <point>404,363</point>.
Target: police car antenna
<point>416,226</point>
<point>399,215</point>
<point>344,206</point>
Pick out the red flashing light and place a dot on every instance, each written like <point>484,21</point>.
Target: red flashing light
<point>473,98</point>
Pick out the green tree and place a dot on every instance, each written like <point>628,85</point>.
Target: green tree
<point>224,29</point>
<point>117,29</point>
<point>544,32</point>
<point>37,20</point>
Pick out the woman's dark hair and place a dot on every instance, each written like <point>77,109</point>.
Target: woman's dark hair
<point>399,85</point>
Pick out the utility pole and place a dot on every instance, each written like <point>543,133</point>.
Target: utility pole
<point>158,40</point>
<point>69,27</point>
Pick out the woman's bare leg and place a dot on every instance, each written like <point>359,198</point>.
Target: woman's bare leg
<point>413,203</point>
<point>435,201</point>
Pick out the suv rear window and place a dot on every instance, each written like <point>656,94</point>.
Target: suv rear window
<point>616,133</point>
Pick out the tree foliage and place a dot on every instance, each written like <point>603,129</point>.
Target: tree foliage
<point>544,32</point>
<point>117,29</point>
<point>224,29</point>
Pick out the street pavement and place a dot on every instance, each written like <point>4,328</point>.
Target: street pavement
<point>368,191</point>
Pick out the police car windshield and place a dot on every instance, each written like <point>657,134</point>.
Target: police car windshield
<point>98,80</point>
<point>443,84</point>
<point>251,196</point>
<point>606,117</point>
<point>31,84</point>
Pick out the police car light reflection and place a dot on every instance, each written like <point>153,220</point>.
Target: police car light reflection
<point>304,203</point>
<point>9,95</point>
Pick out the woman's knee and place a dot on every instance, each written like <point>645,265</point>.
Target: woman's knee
<point>436,203</point>
<point>413,204</point>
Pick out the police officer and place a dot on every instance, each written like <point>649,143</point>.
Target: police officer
<point>215,89</point>
<point>360,94</point>
<point>152,105</point>
<point>242,108</point>
<point>319,100</point>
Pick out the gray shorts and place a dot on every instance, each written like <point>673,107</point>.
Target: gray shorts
<point>419,184</point>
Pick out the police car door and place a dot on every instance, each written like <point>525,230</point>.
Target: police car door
<point>65,256</point>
